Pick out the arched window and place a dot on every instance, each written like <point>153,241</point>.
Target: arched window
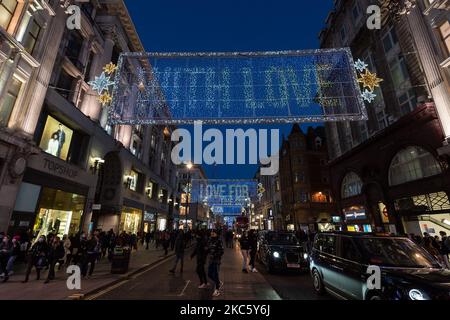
<point>351,185</point>
<point>412,163</point>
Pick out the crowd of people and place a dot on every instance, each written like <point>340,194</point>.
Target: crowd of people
<point>437,246</point>
<point>48,252</point>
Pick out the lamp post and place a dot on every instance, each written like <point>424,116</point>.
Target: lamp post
<point>189,166</point>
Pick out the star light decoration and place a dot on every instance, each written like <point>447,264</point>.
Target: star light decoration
<point>261,191</point>
<point>369,81</point>
<point>102,83</point>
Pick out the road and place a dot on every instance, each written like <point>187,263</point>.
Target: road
<point>157,283</point>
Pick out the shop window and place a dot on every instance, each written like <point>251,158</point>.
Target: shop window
<point>351,185</point>
<point>56,138</point>
<point>10,101</point>
<point>411,164</point>
<point>7,8</point>
<point>59,213</point>
<point>130,221</point>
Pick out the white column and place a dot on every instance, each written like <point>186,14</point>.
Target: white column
<point>433,72</point>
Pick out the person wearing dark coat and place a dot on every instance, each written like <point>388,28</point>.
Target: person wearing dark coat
<point>37,257</point>
<point>179,246</point>
<point>55,253</point>
<point>92,251</point>
<point>148,237</point>
<point>253,247</point>
<point>6,249</point>
<point>201,252</point>
<point>215,252</point>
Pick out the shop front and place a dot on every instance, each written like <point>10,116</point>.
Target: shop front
<point>130,220</point>
<point>47,206</point>
<point>150,218</point>
<point>356,219</point>
<point>428,213</point>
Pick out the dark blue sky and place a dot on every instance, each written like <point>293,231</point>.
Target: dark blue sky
<point>229,25</point>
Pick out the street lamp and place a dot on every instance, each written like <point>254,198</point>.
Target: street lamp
<point>189,166</point>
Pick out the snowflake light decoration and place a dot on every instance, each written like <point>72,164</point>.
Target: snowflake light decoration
<point>101,83</point>
<point>361,65</point>
<point>369,81</point>
<point>261,190</point>
<point>368,96</point>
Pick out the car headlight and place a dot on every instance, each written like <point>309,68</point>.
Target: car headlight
<point>276,254</point>
<point>416,294</point>
<point>305,256</point>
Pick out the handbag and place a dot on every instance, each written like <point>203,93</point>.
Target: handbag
<point>42,263</point>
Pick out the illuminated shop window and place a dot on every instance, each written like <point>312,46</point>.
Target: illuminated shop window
<point>412,163</point>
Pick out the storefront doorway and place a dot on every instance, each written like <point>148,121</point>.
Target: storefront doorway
<point>59,213</point>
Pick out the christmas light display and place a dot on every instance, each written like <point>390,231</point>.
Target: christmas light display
<point>368,80</point>
<point>102,84</point>
<point>236,88</point>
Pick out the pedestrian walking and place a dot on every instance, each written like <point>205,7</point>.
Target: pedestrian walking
<point>67,244</point>
<point>173,238</point>
<point>215,252</point>
<point>201,252</point>
<point>148,237</point>
<point>166,242</point>
<point>245,247</point>
<point>253,247</point>
<point>37,257</point>
<point>5,252</point>
<point>55,254</point>
<point>92,252</point>
<point>179,247</point>
<point>444,249</point>
<point>14,255</point>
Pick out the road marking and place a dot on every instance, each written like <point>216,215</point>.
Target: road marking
<point>184,289</point>
<point>107,290</point>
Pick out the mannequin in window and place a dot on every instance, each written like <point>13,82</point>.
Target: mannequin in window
<point>53,145</point>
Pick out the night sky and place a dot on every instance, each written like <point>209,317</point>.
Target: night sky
<point>229,25</point>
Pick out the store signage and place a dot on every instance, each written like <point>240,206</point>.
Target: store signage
<point>96,207</point>
<point>355,213</point>
<point>383,212</point>
<point>59,169</point>
<point>271,214</point>
<point>149,216</point>
<point>236,87</point>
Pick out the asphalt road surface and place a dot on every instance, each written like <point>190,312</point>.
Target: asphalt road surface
<point>157,283</point>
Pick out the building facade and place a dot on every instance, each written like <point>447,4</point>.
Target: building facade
<point>267,210</point>
<point>191,211</point>
<point>72,170</point>
<point>304,179</point>
<point>390,173</point>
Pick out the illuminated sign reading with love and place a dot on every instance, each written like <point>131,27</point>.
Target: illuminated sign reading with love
<point>236,88</point>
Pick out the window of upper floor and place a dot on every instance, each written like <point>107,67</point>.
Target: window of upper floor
<point>7,11</point>
<point>444,31</point>
<point>10,100</point>
<point>59,139</point>
<point>390,40</point>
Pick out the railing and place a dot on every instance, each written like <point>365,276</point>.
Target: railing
<point>430,219</point>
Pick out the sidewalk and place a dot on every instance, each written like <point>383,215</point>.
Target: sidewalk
<point>14,289</point>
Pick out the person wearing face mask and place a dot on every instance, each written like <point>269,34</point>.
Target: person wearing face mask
<point>37,256</point>
<point>5,253</point>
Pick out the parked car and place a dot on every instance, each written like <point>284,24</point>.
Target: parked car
<point>339,264</point>
<point>282,251</point>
